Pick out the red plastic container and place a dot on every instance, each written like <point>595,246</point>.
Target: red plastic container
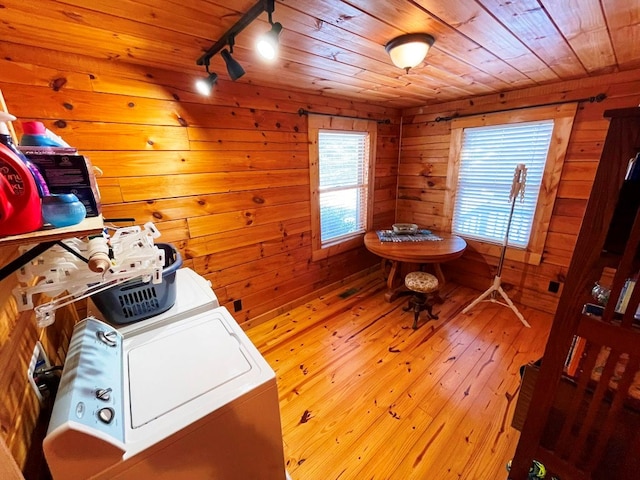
<point>20,204</point>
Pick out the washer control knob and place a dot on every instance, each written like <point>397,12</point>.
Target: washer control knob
<point>106,414</point>
<point>108,338</point>
<point>103,394</point>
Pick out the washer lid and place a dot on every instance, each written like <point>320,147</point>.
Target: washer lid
<point>193,296</point>
<point>180,365</point>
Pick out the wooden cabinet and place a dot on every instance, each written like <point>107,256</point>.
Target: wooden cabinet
<point>594,432</point>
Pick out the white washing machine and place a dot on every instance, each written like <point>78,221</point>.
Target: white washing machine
<point>183,398</point>
<point>193,295</point>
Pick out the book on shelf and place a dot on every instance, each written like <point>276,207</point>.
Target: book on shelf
<point>576,351</point>
<point>570,352</point>
<point>625,295</point>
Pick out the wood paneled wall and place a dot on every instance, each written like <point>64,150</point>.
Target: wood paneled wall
<point>423,171</point>
<point>224,178</point>
<point>19,405</point>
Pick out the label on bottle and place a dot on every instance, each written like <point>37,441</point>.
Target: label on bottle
<point>13,177</point>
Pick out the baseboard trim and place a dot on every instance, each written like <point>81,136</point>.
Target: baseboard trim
<point>254,322</point>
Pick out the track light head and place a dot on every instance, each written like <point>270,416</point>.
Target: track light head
<point>268,43</point>
<point>233,67</point>
<point>204,85</point>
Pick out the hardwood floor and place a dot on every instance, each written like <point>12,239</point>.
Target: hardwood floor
<point>363,396</point>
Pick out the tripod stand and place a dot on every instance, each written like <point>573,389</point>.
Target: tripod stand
<point>517,189</point>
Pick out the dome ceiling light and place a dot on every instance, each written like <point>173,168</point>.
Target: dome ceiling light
<point>408,51</point>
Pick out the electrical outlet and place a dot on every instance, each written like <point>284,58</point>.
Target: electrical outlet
<point>237,305</point>
<point>554,287</point>
<point>39,360</point>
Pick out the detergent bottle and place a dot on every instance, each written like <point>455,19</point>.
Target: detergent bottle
<point>5,139</point>
<point>20,204</point>
<point>35,134</point>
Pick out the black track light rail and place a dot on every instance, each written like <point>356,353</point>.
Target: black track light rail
<point>228,38</point>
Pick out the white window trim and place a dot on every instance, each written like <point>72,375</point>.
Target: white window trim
<point>563,116</point>
<point>322,122</point>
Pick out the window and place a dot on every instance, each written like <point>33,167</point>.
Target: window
<point>484,153</point>
<point>341,165</point>
<point>343,184</point>
<point>488,161</point>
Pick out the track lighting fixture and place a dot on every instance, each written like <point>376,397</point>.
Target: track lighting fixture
<point>204,85</point>
<point>233,67</point>
<point>267,45</point>
<point>269,42</point>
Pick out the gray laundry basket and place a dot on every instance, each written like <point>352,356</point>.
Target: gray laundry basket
<point>136,300</point>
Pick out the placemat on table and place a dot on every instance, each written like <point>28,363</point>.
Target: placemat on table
<point>419,236</point>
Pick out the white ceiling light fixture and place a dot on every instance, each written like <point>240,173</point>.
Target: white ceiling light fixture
<point>407,51</point>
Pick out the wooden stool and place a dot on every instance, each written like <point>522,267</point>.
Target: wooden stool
<point>422,284</point>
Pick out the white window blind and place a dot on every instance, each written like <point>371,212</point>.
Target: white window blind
<point>343,183</point>
<point>488,158</point>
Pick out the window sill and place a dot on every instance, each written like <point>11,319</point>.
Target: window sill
<point>337,248</point>
<point>515,254</point>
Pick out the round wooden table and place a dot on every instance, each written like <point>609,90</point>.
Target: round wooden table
<point>395,253</point>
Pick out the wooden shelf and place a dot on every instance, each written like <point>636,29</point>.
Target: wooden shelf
<point>89,226</point>
<point>588,429</point>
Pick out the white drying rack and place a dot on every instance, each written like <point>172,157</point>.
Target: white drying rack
<point>64,268</point>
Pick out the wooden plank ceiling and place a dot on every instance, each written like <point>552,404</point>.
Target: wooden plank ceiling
<point>336,47</point>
